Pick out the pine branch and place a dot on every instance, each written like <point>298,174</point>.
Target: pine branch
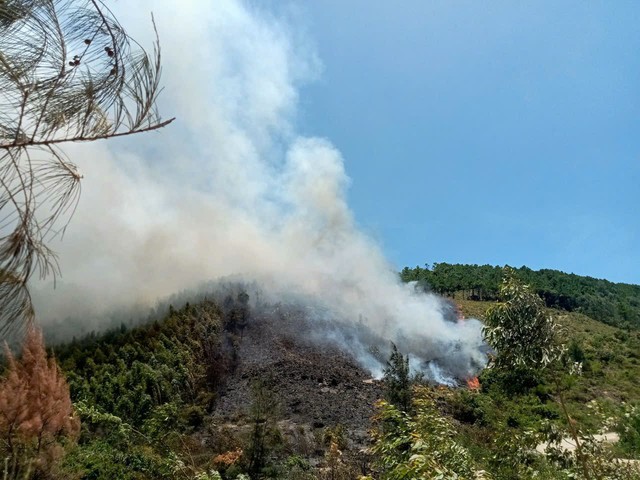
<point>68,73</point>
<point>87,139</point>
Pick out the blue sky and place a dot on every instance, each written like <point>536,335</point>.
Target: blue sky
<point>486,132</point>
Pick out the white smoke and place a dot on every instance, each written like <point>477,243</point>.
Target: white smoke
<point>231,189</point>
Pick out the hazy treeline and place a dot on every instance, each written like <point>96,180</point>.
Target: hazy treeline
<point>612,303</point>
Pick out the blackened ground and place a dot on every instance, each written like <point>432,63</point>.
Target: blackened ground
<point>315,383</point>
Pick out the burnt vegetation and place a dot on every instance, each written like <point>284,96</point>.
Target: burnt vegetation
<point>231,389</point>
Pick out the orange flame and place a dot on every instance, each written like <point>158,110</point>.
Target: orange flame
<point>228,458</point>
<point>473,383</point>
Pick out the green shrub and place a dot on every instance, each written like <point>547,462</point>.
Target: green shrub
<point>629,429</point>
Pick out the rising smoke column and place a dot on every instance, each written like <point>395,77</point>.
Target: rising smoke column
<point>232,189</point>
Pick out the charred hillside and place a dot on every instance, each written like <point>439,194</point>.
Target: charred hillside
<point>317,383</point>
<point>205,361</point>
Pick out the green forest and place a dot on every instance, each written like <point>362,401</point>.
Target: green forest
<point>613,303</point>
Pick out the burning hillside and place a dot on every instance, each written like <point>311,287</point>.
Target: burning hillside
<point>319,368</point>
<point>303,321</point>
<point>248,197</point>
<point>317,384</point>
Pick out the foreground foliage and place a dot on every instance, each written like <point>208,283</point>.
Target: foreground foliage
<point>417,445</point>
<point>519,329</point>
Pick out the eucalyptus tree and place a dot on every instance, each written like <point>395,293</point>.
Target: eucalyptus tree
<point>519,329</point>
<point>69,72</point>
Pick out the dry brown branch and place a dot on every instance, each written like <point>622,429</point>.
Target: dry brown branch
<point>68,72</point>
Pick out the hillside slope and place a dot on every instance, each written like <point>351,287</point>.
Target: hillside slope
<point>206,385</point>
<point>190,385</point>
<point>612,303</point>
<point>610,356</point>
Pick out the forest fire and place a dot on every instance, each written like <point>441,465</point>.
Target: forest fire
<point>473,383</point>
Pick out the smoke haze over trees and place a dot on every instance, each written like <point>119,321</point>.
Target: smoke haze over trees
<point>173,398</point>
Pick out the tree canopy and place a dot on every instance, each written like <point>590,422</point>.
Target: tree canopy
<point>612,303</point>
<point>519,329</point>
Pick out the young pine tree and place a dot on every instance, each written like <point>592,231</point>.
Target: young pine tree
<point>397,380</point>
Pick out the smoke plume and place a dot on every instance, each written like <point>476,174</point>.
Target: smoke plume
<point>232,189</point>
